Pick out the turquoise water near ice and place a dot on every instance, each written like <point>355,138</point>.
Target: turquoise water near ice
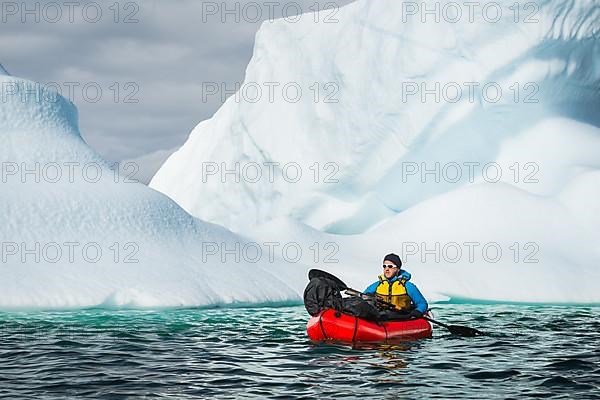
<point>530,351</point>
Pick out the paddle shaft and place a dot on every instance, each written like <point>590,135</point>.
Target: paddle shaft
<point>426,318</point>
<point>454,329</point>
<point>354,292</point>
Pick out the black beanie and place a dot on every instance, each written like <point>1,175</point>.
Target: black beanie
<point>393,258</point>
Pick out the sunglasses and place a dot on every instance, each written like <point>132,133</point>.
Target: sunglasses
<point>388,266</point>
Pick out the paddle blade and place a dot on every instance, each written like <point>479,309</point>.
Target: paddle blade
<point>464,331</point>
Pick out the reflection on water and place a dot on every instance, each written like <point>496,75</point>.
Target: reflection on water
<point>264,352</point>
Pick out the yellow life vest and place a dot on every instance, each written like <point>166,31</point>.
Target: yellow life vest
<point>394,293</point>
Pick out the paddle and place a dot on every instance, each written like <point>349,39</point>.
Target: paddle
<point>340,285</point>
<point>457,329</point>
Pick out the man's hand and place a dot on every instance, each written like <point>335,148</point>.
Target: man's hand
<point>416,314</point>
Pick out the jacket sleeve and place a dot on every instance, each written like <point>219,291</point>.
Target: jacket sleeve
<point>372,288</point>
<point>416,297</point>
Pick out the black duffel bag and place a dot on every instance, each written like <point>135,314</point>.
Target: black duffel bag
<point>323,293</point>
<point>320,294</point>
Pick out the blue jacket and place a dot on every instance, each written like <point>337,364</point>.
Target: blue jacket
<point>412,291</point>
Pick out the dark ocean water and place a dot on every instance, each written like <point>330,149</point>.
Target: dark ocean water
<point>531,351</point>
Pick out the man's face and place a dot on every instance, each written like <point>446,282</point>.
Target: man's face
<point>389,269</point>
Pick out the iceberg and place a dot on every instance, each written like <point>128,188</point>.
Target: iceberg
<point>392,103</point>
<point>77,234</point>
<point>443,135</point>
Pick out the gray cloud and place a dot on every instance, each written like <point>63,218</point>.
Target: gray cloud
<point>138,86</point>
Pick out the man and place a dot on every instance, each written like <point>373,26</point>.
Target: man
<point>393,287</point>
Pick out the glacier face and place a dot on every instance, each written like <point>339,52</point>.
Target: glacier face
<point>516,117</point>
<point>77,234</point>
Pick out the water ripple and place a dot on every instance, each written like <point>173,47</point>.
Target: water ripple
<point>549,352</point>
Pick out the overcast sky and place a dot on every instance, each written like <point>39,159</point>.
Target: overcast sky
<point>135,69</point>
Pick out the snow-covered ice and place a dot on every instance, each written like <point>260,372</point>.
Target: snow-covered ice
<point>76,234</point>
<point>543,209</point>
<point>375,128</point>
<point>541,134</point>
